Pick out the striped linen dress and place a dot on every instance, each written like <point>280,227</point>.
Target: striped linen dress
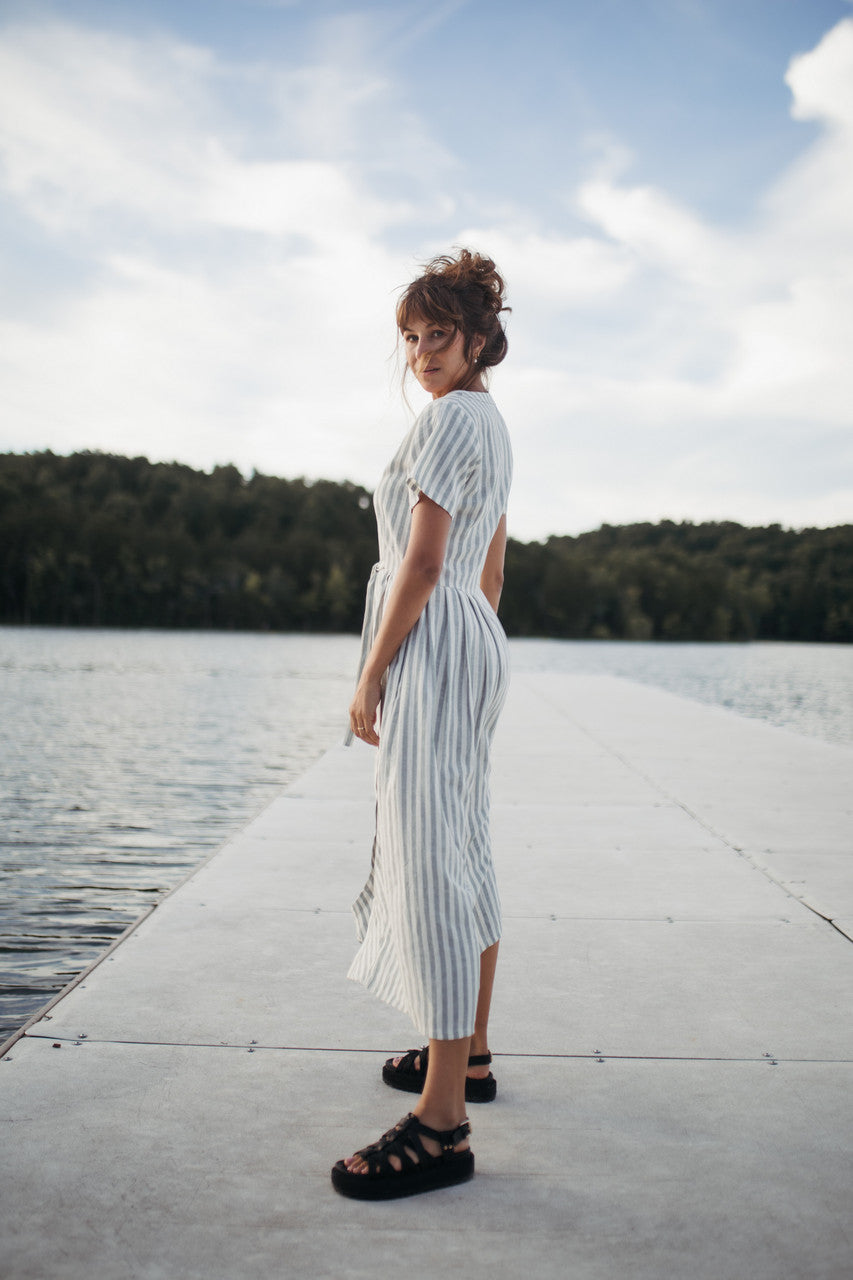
<point>430,905</point>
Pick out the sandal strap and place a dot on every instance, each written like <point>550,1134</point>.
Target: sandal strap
<point>446,1138</point>
<point>404,1142</point>
<point>407,1062</point>
<point>377,1153</point>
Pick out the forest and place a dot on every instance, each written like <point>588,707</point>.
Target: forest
<point>94,539</point>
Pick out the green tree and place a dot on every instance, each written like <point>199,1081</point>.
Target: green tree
<point>96,539</point>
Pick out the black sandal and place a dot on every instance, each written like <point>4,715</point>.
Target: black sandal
<point>419,1170</point>
<point>410,1078</point>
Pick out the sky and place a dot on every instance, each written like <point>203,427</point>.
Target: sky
<point>208,208</point>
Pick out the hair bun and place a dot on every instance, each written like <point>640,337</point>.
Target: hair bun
<point>468,269</point>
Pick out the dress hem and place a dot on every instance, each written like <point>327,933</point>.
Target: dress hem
<point>400,1005</point>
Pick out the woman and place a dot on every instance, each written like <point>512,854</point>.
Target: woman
<point>434,658</point>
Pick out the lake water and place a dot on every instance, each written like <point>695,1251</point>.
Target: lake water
<point>128,756</point>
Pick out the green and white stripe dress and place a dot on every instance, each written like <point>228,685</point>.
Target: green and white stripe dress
<point>430,905</point>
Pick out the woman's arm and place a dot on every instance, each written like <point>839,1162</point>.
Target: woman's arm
<point>492,577</point>
<point>414,583</point>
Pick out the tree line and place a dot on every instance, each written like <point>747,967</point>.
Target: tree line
<point>95,539</point>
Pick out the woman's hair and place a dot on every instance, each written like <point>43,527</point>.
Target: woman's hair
<point>464,294</point>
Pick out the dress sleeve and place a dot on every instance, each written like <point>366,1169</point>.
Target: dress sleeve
<point>448,457</point>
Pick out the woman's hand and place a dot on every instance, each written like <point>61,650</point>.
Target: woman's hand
<point>363,710</point>
<point>413,585</point>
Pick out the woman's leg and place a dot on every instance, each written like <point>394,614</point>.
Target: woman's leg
<point>441,1106</point>
<point>480,1038</point>
<point>442,1103</point>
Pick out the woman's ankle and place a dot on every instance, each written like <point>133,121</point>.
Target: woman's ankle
<point>442,1119</point>
<point>479,1048</point>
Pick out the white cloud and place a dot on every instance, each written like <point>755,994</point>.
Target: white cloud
<point>735,370</point>
<point>653,227</point>
<point>260,346</point>
<point>92,121</point>
<point>170,363</point>
<point>306,198</point>
<point>820,80</point>
<point>548,271</point>
<point>239,284</point>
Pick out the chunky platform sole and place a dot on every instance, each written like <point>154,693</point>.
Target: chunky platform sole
<point>419,1170</point>
<point>360,1186</point>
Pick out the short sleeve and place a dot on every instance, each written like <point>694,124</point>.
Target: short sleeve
<point>447,458</point>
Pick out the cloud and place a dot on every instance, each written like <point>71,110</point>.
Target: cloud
<point>96,123</point>
<point>728,393</point>
<point>230,234</point>
<point>551,271</point>
<point>172,363</point>
<point>820,80</point>
<point>233,306</point>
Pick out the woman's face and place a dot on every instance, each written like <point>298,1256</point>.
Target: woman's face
<point>438,365</point>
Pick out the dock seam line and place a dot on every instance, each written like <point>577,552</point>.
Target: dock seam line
<point>244,1047</point>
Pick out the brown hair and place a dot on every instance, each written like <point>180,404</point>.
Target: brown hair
<point>464,293</point>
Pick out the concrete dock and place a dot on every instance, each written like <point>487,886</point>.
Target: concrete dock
<point>673,1026</point>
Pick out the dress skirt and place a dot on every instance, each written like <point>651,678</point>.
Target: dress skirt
<point>430,905</point>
